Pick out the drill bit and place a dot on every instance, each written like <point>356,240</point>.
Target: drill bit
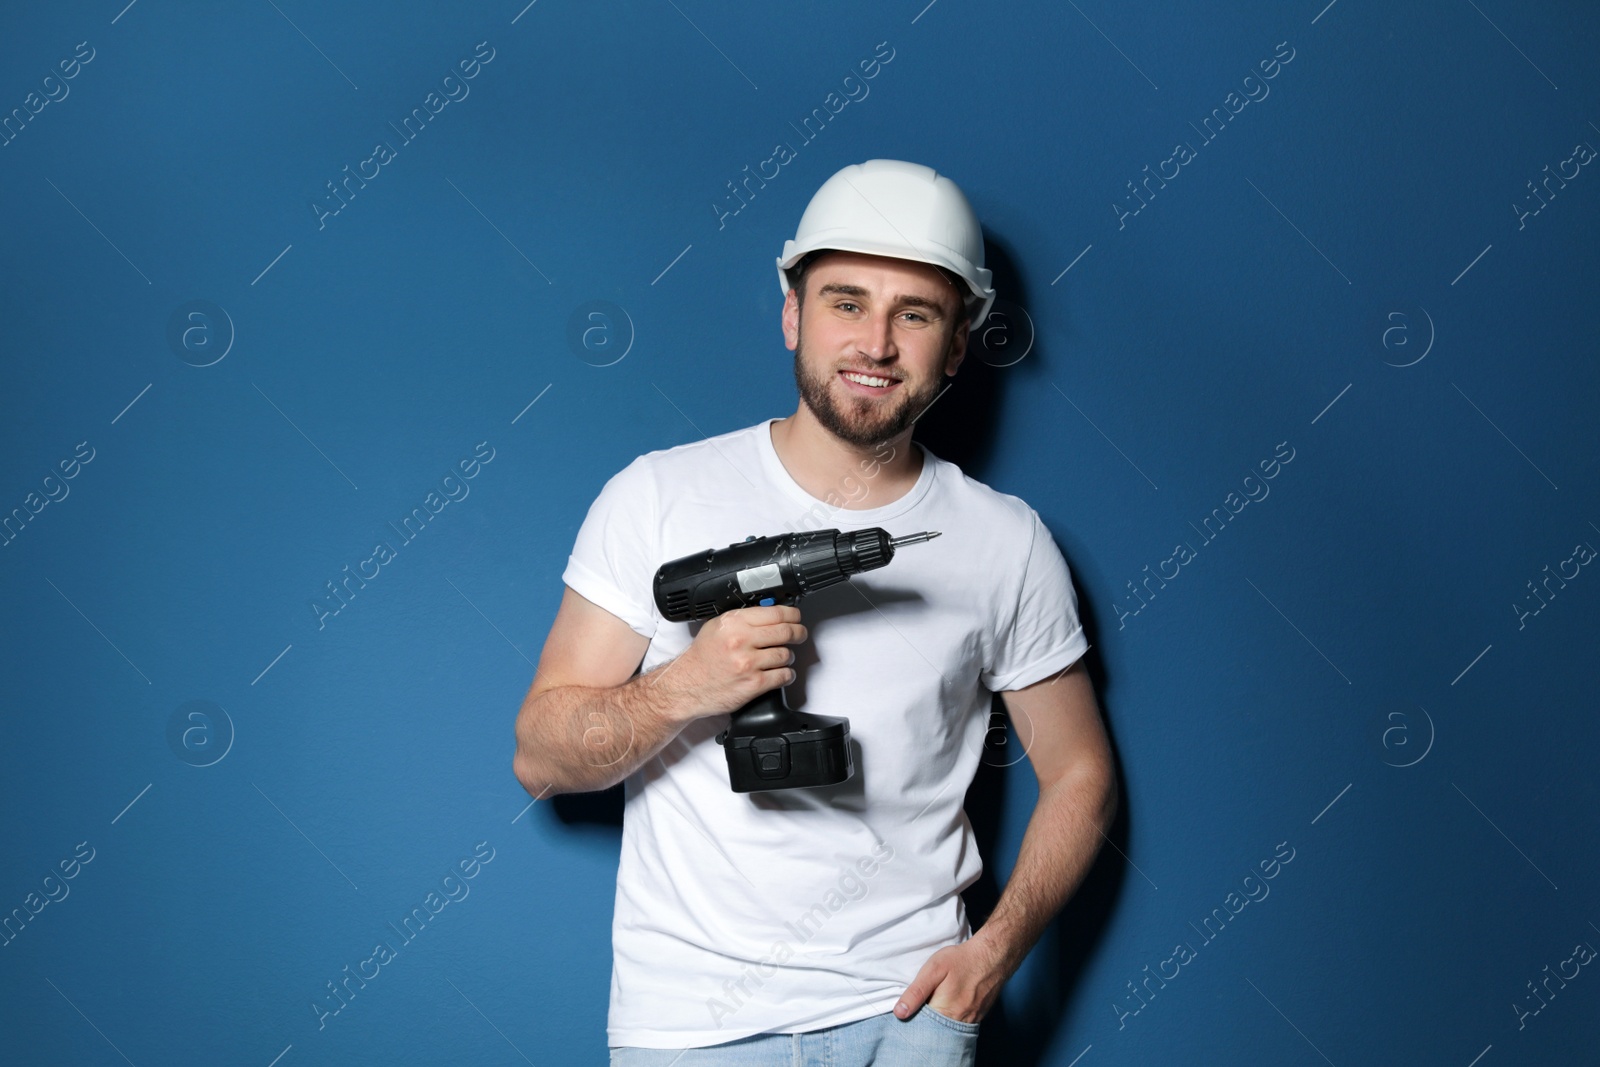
<point>911,539</point>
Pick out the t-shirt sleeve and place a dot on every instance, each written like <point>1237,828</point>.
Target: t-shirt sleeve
<point>613,561</point>
<point>1043,634</point>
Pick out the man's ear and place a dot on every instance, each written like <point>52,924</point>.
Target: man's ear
<point>791,320</point>
<point>958,347</point>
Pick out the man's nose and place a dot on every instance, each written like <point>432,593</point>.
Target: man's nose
<point>878,339</point>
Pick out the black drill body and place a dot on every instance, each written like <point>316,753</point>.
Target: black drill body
<point>768,744</point>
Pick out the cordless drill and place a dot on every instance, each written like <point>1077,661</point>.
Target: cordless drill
<point>769,745</point>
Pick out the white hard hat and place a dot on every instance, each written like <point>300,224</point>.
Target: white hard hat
<point>886,207</point>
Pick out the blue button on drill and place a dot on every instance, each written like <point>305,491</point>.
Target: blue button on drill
<point>768,600</point>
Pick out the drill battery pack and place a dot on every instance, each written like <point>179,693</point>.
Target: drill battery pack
<point>787,750</point>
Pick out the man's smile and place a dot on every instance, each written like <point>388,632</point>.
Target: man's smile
<point>868,384</point>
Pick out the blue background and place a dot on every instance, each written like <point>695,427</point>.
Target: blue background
<point>1344,667</point>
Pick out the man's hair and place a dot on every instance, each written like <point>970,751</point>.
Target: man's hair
<point>809,260</point>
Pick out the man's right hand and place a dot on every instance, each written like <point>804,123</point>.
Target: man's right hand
<point>735,657</point>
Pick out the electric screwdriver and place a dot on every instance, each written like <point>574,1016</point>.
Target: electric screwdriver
<point>768,744</point>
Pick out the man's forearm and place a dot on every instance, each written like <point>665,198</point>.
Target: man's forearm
<point>1060,844</point>
<point>575,738</point>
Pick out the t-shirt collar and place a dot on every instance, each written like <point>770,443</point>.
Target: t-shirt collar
<point>813,508</point>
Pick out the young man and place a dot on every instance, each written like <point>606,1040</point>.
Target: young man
<point>826,924</point>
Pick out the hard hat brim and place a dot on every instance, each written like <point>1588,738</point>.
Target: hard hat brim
<point>981,298</point>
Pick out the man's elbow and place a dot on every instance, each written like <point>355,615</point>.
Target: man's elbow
<point>1089,785</point>
<point>533,773</point>
<point>1110,799</point>
<point>543,775</point>
<point>1097,782</point>
<point>528,776</point>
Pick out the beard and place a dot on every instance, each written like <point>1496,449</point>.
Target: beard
<point>863,421</point>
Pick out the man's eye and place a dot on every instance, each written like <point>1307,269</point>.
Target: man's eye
<point>845,304</point>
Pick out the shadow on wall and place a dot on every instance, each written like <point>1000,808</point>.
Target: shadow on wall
<point>1023,1024</point>
<point>1001,358</point>
<point>1005,357</point>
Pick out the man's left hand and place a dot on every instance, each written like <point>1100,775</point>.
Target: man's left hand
<point>959,981</point>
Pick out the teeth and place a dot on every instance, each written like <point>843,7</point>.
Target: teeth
<point>867,380</point>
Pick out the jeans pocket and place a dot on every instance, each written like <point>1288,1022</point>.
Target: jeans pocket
<point>944,1020</point>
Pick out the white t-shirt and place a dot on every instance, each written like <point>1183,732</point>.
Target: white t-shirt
<point>791,910</point>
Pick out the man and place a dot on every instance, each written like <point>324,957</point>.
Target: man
<point>826,924</point>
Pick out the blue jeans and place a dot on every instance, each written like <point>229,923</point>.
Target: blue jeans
<point>927,1039</point>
